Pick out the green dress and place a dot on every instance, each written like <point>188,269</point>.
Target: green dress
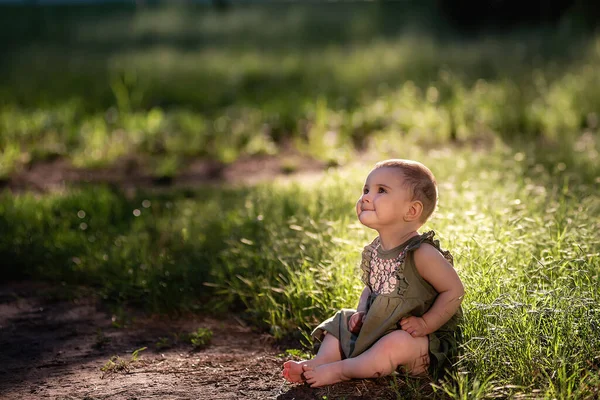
<point>397,291</point>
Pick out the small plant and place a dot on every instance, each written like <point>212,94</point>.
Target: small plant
<point>117,364</point>
<point>201,338</point>
<point>114,365</point>
<point>297,353</point>
<point>135,355</point>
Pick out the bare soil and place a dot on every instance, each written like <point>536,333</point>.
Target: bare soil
<point>131,172</point>
<point>56,347</point>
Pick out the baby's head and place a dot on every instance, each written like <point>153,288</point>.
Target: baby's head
<point>418,180</point>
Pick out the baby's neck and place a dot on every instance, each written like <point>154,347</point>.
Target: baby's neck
<point>389,240</point>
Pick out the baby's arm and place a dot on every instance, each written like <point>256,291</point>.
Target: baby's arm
<point>355,322</point>
<point>434,268</point>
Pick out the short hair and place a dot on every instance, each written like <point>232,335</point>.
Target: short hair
<point>419,180</point>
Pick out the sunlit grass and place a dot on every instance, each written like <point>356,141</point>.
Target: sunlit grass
<point>508,124</point>
<point>192,82</point>
<point>525,241</point>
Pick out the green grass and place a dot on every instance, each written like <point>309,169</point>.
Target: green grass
<point>507,122</point>
<point>200,338</point>
<point>92,85</point>
<point>525,241</point>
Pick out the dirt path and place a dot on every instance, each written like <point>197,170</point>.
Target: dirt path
<point>53,348</point>
<point>130,172</point>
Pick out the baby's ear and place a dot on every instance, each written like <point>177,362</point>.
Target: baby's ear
<point>414,211</point>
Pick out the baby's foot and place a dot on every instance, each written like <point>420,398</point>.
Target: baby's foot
<point>326,374</point>
<point>292,371</point>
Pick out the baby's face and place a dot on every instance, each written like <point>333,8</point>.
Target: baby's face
<point>385,200</point>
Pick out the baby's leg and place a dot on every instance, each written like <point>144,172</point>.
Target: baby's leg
<point>388,353</point>
<point>329,351</point>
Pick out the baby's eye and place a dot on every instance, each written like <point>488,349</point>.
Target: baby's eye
<point>365,191</point>
<point>381,190</point>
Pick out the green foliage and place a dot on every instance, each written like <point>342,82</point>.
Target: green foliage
<point>298,354</point>
<point>462,387</point>
<point>161,86</point>
<point>114,365</point>
<point>285,255</point>
<point>117,364</point>
<point>520,212</point>
<point>200,338</point>
<point>136,354</point>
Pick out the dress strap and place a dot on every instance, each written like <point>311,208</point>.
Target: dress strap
<point>428,237</point>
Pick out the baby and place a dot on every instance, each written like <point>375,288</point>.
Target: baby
<point>408,313</point>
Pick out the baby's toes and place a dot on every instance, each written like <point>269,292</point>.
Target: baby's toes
<point>308,373</point>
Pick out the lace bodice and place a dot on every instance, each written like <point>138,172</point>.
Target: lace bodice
<point>383,272</point>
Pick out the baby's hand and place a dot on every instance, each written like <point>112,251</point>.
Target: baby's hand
<point>356,321</point>
<point>416,326</point>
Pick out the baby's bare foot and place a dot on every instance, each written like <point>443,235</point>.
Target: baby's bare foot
<point>292,371</point>
<point>326,374</point>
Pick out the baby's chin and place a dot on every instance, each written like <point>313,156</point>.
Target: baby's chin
<point>366,218</point>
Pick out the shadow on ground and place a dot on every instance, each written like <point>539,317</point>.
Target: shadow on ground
<point>58,345</point>
<point>57,348</point>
